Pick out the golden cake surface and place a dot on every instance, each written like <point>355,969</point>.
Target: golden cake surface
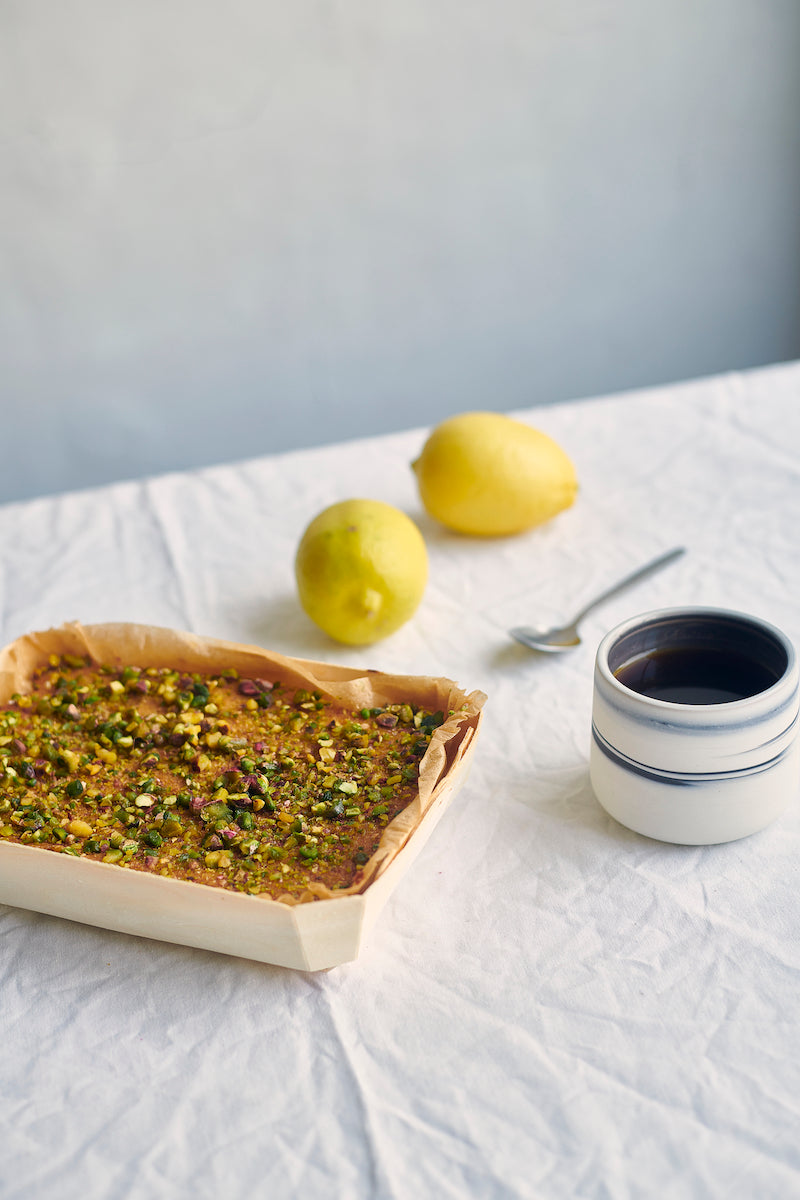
<point>240,783</point>
<point>212,763</point>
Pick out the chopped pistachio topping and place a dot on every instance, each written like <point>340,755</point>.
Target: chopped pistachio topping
<point>243,784</point>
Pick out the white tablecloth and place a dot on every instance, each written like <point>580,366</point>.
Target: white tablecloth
<point>549,1005</point>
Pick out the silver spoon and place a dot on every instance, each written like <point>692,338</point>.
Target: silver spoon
<point>566,637</point>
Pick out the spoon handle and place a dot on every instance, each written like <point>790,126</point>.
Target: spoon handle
<point>648,569</point>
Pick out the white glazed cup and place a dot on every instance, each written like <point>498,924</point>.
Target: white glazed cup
<point>695,774</point>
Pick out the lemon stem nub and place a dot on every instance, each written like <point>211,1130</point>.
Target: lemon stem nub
<point>371,601</point>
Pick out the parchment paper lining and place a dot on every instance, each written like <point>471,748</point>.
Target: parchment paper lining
<point>353,688</point>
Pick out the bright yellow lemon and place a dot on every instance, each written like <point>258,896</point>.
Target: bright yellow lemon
<point>361,570</point>
<point>487,474</point>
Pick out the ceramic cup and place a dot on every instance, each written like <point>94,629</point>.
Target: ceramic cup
<point>695,724</point>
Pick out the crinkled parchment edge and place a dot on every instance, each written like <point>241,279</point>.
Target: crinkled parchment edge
<point>354,688</point>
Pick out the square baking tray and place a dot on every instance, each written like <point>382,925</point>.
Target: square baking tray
<point>311,935</point>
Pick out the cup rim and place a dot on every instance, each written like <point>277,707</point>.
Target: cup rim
<point>693,611</point>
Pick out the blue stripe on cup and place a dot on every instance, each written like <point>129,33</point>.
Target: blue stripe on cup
<point>682,778</point>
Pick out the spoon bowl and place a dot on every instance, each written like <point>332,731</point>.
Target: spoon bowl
<point>567,637</point>
<point>551,641</point>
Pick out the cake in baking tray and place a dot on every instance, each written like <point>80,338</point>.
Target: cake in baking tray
<point>248,784</point>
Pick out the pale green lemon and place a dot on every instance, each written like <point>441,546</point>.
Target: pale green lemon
<point>484,473</point>
<point>361,570</point>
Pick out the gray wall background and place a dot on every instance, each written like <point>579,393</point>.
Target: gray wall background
<point>230,229</point>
